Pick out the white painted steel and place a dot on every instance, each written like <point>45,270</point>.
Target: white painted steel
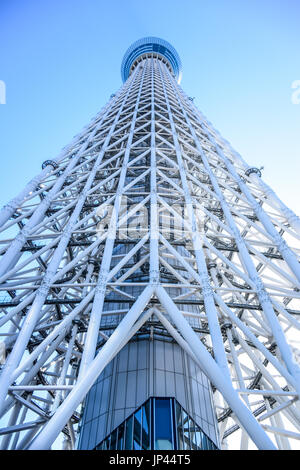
<point>216,262</point>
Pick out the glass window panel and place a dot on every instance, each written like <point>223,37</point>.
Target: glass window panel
<point>137,429</point>
<point>198,435</point>
<point>186,432</point>
<point>113,440</point>
<point>128,434</point>
<point>179,427</point>
<point>136,432</point>
<point>104,447</point>
<point>146,426</point>
<point>121,430</point>
<point>192,427</point>
<point>209,444</point>
<point>163,425</point>
<point>204,442</point>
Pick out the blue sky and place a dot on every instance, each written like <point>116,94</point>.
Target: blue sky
<point>60,61</point>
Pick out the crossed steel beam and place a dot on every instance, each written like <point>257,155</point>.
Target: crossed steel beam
<point>211,253</point>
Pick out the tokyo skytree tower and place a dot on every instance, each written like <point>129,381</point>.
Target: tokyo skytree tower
<point>150,285</point>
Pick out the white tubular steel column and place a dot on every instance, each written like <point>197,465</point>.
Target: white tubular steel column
<point>266,303</point>
<point>11,255</point>
<point>287,254</point>
<point>96,313</point>
<point>214,372</point>
<point>65,411</point>
<point>34,312</point>
<point>205,256</point>
<point>291,217</point>
<point>207,291</point>
<point>154,234</point>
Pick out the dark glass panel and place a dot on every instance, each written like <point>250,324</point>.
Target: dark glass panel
<point>186,431</point>
<point>104,445</point>
<point>128,433</point>
<point>121,430</point>
<point>198,434</point>
<point>113,440</point>
<point>163,425</point>
<point>192,427</point>
<point>209,444</point>
<point>146,426</point>
<point>172,427</point>
<point>178,418</point>
<point>137,430</point>
<point>204,442</point>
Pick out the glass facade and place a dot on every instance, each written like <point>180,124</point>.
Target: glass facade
<point>159,424</point>
<point>145,369</point>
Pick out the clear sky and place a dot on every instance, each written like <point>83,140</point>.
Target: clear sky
<point>60,61</point>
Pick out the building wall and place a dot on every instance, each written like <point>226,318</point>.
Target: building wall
<point>146,368</point>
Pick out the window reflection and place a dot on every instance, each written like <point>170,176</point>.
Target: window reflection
<point>166,427</point>
<point>186,432</point>
<point>128,434</point>
<point>146,426</point>
<point>204,442</point>
<point>137,433</point>
<point>178,418</point>
<point>163,426</point>
<point>113,440</point>
<point>121,431</point>
<point>104,446</point>
<point>198,435</point>
<point>192,427</point>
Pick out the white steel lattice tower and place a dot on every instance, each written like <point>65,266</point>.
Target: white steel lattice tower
<point>149,262</point>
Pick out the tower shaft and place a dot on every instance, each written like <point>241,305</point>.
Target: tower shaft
<point>149,268</point>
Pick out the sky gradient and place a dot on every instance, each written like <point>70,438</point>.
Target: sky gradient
<point>60,61</point>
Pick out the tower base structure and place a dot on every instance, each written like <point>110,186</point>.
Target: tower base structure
<point>145,400</point>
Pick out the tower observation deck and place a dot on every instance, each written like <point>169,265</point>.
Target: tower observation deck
<point>150,285</point>
<point>151,47</point>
